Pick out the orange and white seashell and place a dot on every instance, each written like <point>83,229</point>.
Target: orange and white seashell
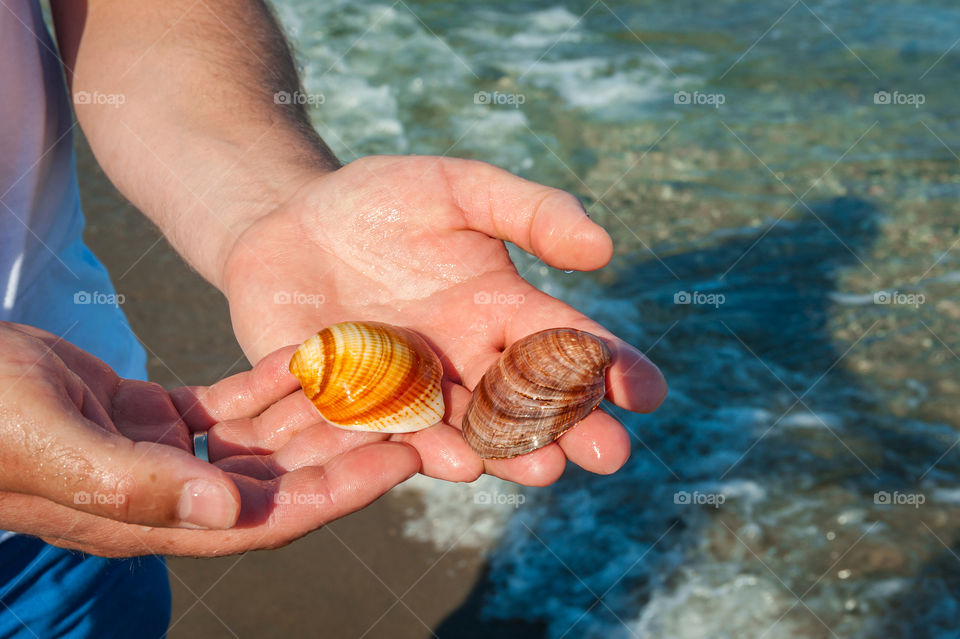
<point>541,386</point>
<point>371,376</point>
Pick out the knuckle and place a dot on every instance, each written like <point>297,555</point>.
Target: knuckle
<point>561,198</point>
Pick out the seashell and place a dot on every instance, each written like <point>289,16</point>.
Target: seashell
<point>371,376</point>
<point>541,386</point>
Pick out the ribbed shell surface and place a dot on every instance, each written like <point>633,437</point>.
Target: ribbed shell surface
<point>371,376</point>
<point>541,386</point>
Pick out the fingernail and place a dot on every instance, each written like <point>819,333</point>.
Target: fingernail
<point>637,355</point>
<point>206,504</point>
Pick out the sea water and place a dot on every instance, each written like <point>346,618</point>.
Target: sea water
<point>780,179</point>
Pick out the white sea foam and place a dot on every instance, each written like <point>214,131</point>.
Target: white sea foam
<point>946,495</point>
<point>462,515</point>
<point>950,277</point>
<point>553,20</point>
<point>851,299</point>
<point>806,419</point>
<point>499,133</point>
<point>718,603</point>
<point>371,109</point>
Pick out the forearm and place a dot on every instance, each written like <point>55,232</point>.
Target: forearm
<point>199,143</point>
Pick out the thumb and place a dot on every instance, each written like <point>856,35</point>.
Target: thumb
<point>544,221</point>
<point>106,474</point>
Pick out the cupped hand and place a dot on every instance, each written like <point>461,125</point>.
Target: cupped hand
<point>102,464</point>
<point>419,242</point>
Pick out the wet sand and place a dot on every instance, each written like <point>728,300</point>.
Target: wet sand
<point>358,577</point>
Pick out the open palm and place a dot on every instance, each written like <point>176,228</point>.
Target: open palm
<point>418,242</point>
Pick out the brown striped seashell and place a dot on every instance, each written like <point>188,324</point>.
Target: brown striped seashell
<point>371,376</point>
<point>541,386</point>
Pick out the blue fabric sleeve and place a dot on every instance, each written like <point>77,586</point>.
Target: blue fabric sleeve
<point>49,592</point>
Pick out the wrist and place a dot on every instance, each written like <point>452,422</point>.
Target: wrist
<point>250,204</point>
<point>257,234</point>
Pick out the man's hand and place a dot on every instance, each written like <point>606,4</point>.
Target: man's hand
<point>94,462</point>
<point>247,196</point>
<point>417,242</point>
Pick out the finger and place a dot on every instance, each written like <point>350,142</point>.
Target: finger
<point>309,497</point>
<point>243,395</point>
<point>319,444</point>
<point>95,373</point>
<point>106,474</point>
<point>297,436</point>
<point>544,221</point>
<point>143,411</point>
<point>274,512</point>
<point>90,406</point>
<point>633,381</point>
<point>598,444</point>
<point>267,432</point>
<point>443,451</point>
<point>541,467</point>
<point>255,466</point>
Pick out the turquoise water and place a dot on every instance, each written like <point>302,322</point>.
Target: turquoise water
<point>791,169</point>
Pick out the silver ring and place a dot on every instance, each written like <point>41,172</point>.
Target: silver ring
<point>200,446</point>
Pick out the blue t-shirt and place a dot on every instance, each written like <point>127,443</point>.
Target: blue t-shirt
<point>51,280</point>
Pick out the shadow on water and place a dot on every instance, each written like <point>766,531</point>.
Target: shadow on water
<point>760,396</point>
